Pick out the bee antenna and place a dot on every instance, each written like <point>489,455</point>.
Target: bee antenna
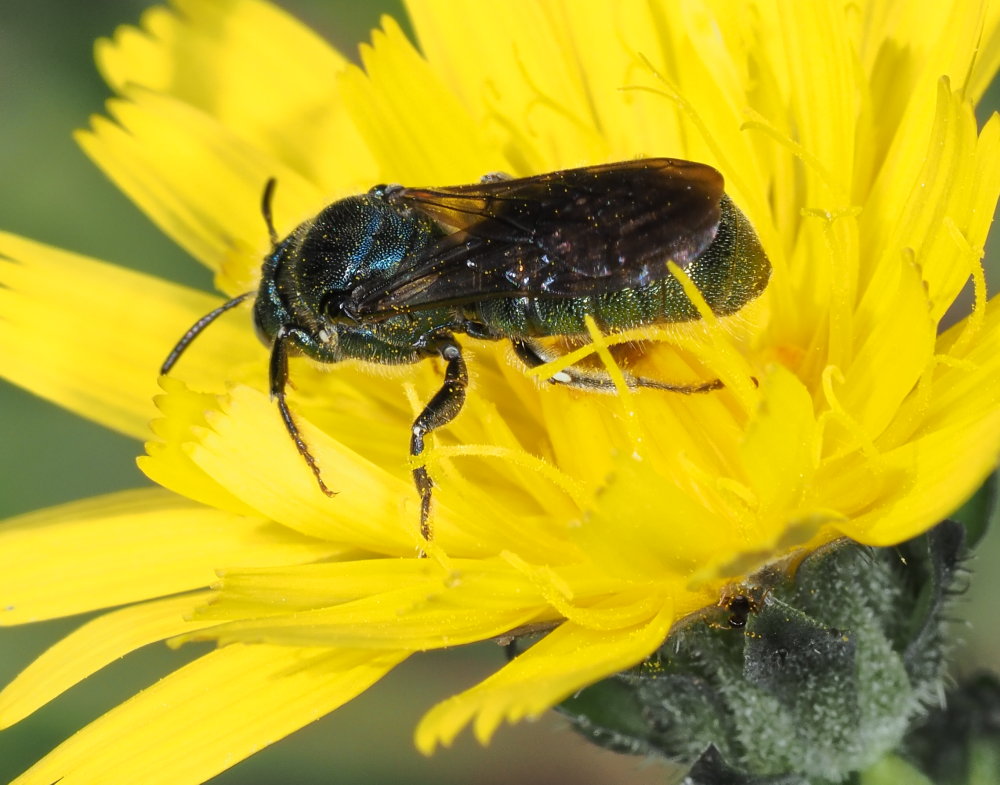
<point>265,208</point>
<point>196,329</point>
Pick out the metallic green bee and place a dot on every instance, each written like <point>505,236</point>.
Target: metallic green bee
<point>392,276</point>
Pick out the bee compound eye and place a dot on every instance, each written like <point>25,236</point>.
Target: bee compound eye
<point>496,177</point>
<point>384,189</point>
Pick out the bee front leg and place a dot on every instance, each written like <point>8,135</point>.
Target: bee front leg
<point>441,410</point>
<point>278,376</point>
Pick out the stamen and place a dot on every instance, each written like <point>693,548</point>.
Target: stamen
<point>732,490</point>
<point>524,157</point>
<point>571,487</point>
<point>913,410</point>
<point>431,550</point>
<point>754,197</point>
<point>720,354</point>
<point>974,321</point>
<point>606,619</point>
<point>412,398</point>
<point>731,499</point>
<point>558,592</point>
<point>624,396</point>
<point>662,333</point>
<point>837,413</point>
<point>838,236</point>
<point>589,127</point>
<point>560,363</point>
<point>600,346</point>
<point>760,123</point>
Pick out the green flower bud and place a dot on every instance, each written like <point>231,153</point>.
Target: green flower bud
<point>799,676</point>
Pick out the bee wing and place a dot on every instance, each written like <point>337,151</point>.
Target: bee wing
<point>563,234</point>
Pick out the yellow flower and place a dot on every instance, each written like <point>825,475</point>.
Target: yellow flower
<point>845,133</point>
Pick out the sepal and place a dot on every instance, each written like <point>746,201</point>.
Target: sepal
<point>808,674</point>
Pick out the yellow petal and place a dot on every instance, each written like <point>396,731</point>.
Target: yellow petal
<point>210,715</point>
<point>228,59</point>
<point>417,604</point>
<point>987,61</point>
<point>780,452</point>
<point>489,584</point>
<point>88,649</point>
<point>79,332</point>
<point>168,461</point>
<point>848,133</point>
<point>125,547</point>
<point>567,659</point>
<point>638,535</point>
<point>948,465</point>
<point>413,618</point>
<point>943,190</point>
<point>268,591</point>
<point>205,191</point>
<point>224,451</point>
<point>962,389</point>
<point>926,179</point>
<point>895,341</point>
<point>772,501</point>
<point>249,452</point>
<point>820,69</point>
<point>502,68</point>
<point>445,146</point>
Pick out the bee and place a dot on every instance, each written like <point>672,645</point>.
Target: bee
<point>392,276</point>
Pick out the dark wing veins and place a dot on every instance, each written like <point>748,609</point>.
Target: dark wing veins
<point>561,234</point>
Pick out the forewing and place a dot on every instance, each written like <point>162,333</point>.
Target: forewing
<point>562,234</point>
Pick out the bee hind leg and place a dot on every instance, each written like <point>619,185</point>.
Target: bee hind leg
<point>440,410</point>
<point>533,355</point>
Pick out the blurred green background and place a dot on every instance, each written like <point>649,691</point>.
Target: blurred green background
<point>50,192</point>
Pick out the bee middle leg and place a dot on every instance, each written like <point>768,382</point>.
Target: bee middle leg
<point>440,410</point>
<point>532,354</point>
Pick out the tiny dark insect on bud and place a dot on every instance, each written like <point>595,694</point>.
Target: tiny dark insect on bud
<point>739,608</point>
<point>392,276</point>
